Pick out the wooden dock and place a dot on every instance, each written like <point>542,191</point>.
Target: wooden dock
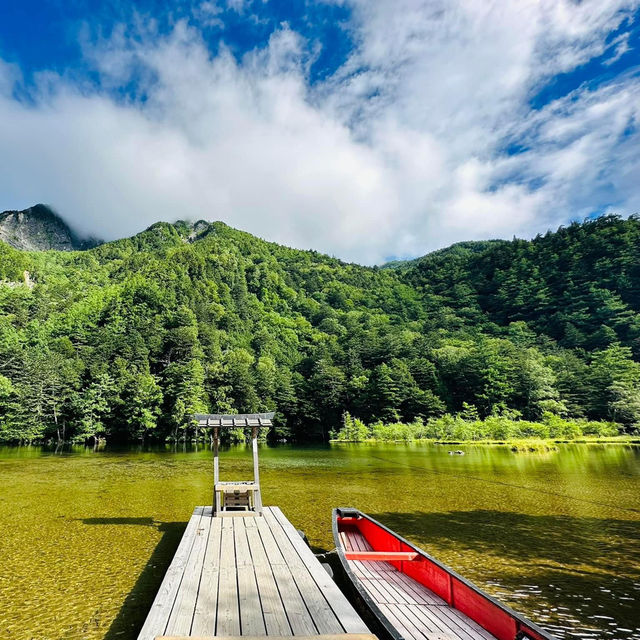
<point>247,576</point>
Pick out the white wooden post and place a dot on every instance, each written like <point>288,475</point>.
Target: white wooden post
<point>256,474</point>
<point>216,473</point>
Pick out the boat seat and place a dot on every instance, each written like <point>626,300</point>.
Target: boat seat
<point>381,556</point>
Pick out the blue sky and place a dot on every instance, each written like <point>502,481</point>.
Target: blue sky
<point>41,35</point>
<point>368,129</point>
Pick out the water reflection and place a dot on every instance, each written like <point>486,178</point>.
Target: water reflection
<point>87,536</point>
<point>573,574</point>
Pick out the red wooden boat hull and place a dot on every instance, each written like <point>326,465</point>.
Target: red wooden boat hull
<point>457,592</point>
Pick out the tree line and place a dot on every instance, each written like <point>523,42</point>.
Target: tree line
<point>127,340</point>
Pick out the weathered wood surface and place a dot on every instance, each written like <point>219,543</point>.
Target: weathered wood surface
<point>415,611</point>
<point>236,486</point>
<point>339,636</point>
<point>250,577</point>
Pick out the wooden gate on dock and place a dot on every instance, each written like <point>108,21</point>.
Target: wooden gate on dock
<point>236,497</point>
<point>252,576</point>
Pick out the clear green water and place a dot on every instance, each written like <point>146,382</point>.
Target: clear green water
<point>86,536</point>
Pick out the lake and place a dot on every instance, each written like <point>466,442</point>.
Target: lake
<point>87,536</point>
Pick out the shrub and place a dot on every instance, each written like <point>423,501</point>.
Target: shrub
<point>353,429</point>
<point>466,426</point>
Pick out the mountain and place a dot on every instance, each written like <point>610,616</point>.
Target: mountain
<point>465,248</point>
<point>39,228</point>
<point>579,285</point>
<point>130,338</point>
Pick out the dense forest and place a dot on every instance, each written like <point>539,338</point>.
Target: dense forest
<point>127,340</point>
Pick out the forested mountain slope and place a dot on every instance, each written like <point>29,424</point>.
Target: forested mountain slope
<point>579,285</point>
<point>128,339</point>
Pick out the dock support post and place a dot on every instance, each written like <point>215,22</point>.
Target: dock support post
<point>216,473</point>
<point>257,497</point>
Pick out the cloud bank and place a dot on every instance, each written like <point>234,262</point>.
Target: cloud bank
<point>428,134</point>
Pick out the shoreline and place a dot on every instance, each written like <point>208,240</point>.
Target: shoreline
<point>513,442</point>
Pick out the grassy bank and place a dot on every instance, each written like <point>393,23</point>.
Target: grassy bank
<point>458,429</point>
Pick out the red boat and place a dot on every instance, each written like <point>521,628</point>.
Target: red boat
<point>415,597</point>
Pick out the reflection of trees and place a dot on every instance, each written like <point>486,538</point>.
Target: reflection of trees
<point>560,570</point>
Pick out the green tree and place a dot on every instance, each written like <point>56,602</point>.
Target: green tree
<point>184,396</point>
<point>383,394</point>
<point>94,407</point>
<point>143,405</point>
<point>614,379</point>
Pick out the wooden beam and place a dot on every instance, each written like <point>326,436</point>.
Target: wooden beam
<point>381,556</point>
<point>236,486</point>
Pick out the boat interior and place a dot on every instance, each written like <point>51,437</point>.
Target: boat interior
<point>416,611</point>
<point>420,598</point>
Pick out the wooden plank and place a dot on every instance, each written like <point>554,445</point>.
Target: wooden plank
<point>297,614</point>
<point>355,541</point>
<point>243,555</point>
<point>341,636</point>
<point>425,624</point>
<point>251,618</point>
<point>378,595</point>
<point>270,546</point>
<point>358,541</point>
<point>464,622</point>
<point>204,617</point>
<point>251,577</point>
<point>273,612</point>
<point>158,616</point>
<point>408,616</point>
<point>415,626</point>
<point>296,610</point>
<point>256,470</point>
<point>216,471</point>
<point>422,594</point>
<point>323,615</point>
<point>349,619</point>
<point>344,612</point>
<point>425,619</point>
<point>400,623</point>
<point>184,605</point>
<point>363,569</point>
<point>236,486</point>
<point>450,621</point>
<point>396,588</point>
<point>228,615</point>
<point>388,593</point>
<point>433,623</point>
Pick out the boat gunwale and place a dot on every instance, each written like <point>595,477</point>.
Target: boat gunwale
<point>371,603</point>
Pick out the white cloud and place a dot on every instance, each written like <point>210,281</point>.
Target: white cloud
<point>400,152</point>
<point>208,14</point>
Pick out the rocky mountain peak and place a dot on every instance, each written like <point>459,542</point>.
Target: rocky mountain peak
<point>39,228</point>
